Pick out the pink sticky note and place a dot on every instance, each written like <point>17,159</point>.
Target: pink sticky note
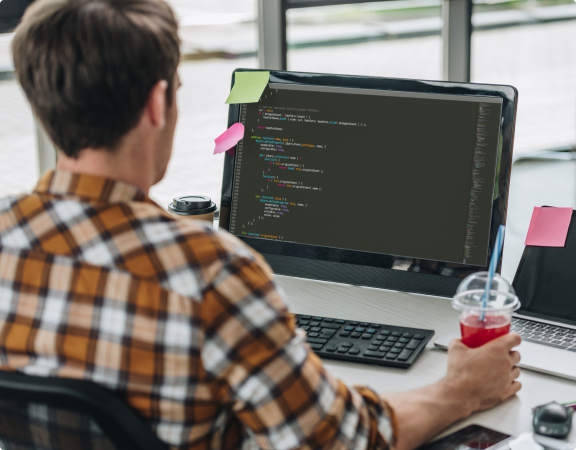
<point>549,227</point>
<point>229,138</point>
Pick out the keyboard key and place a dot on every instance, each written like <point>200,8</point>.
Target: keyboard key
<point>346,344</point>
<point>366,336</point>
<point>375,325</point>
<point>418,336</point>
<point>353,323</point>
<point>305,317</point>
<point>331,348</point>
<point>405,355</point>
<point>396,334</point>
<point>391,355</point>
<point>374,354</point>
<point>384,333</point>
<point>373,348</point>
<point>404,340</point>
<point>313,340</point>
<point>327,334</point>
<point>354,351</point>
<point>341,321</point>
<point>371,331</point>
<point>319,319</point>
<point>382,351</point>
<point>378,341</point>
<point>328,320</point>
<point>304,322</point>
<point>392,339</point>
<point>413,344</point>
<point>305,327</point>
<point>360,329</point>
<point>385,348</point>
<point>316,346</point>
<point>364,324</point>
<point>313,334</point>
<point>331,326</point>
<point>355,335</point>
<point>349,329</point>
<point>315,329</point>
<point>395,350</point>
<point>315,323</point>
<point>343,349</point>
<point>407,335</point>
<point>399,345</point>
<point>345,334</point>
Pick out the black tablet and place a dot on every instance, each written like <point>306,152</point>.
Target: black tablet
<point>390,183</point>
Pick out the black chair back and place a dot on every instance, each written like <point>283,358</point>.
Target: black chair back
<point>38,413</point>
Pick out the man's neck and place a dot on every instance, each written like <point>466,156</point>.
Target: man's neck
<point>126,164</point>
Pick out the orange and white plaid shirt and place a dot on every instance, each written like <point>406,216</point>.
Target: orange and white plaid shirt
<point>97,282</point>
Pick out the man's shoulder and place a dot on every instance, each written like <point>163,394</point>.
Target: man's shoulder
<point>137,237</point>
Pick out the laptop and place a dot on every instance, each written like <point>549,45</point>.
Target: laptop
<point>545,284</point>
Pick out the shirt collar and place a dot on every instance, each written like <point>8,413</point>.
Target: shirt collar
<point>88,187</point>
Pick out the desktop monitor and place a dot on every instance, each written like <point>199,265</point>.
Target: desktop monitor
<point>388,183</point>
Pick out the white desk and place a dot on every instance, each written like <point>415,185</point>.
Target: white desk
<point>393,308</point>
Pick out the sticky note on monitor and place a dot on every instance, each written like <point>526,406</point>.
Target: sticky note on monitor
<point>248,87</point>
<point>549,227</point>
<point>229,138</point>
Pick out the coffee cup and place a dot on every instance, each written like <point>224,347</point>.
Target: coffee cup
<point>197,207</point>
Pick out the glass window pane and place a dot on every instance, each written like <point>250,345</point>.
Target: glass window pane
<point>387,39</point>
<point>540,61</point>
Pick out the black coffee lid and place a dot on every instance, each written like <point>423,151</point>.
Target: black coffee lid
<point>192,205</point>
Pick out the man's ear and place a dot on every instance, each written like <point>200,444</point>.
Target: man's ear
<point>156,105</point>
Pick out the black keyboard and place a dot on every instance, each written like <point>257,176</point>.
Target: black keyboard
<point>545,334</point>
<point>369,343</point>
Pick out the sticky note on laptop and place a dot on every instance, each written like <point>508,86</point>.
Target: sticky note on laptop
<point>549,227</point>
<point>248,87</point>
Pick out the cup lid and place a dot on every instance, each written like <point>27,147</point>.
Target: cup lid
<point>190,205</point>
<point>191,202</point>
<point>497,301</point>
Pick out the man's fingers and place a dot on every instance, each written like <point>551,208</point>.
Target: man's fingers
<point>512,340</point>
<point>515,372</point>
<point>513,389</point>
<point>515,358</point>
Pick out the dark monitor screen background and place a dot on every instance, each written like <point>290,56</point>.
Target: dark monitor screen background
<point>392,173</point>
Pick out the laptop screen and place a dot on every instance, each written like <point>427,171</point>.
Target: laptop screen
<point>397,173</point>
<point>545,281</point>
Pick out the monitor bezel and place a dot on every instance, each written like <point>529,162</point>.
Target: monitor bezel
<point>287,255</point>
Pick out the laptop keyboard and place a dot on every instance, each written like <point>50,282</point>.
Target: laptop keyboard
<point>545,334</point>
<point>368,343</point>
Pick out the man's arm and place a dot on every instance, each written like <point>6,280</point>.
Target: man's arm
<point>477,379</point>
<point>266,373</point>
<point>285,397</point>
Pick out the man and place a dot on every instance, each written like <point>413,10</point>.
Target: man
<point>98,282</point>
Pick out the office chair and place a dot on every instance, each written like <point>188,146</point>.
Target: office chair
<point>38,413</point>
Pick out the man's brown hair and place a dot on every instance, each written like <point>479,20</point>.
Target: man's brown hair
<point>88,66</point>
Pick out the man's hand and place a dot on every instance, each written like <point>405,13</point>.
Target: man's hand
<point>477,379</point>
<point>485,376</point>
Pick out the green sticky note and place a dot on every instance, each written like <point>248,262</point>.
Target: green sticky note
<point>248,87</point>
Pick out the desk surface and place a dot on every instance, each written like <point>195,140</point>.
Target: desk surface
<point>394,308</point>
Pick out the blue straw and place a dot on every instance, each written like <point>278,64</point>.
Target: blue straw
<point>492,268</point>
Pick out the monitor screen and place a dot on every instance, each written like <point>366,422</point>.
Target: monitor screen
<point>388,172</point>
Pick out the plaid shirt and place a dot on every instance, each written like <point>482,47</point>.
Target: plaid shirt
<point>97,282</point>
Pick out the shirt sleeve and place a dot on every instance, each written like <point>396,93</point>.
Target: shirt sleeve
<point>277,386</point>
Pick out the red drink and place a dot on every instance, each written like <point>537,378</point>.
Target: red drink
<point>476,332</point>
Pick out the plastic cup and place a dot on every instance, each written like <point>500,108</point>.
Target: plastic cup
<point>478,323</point>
